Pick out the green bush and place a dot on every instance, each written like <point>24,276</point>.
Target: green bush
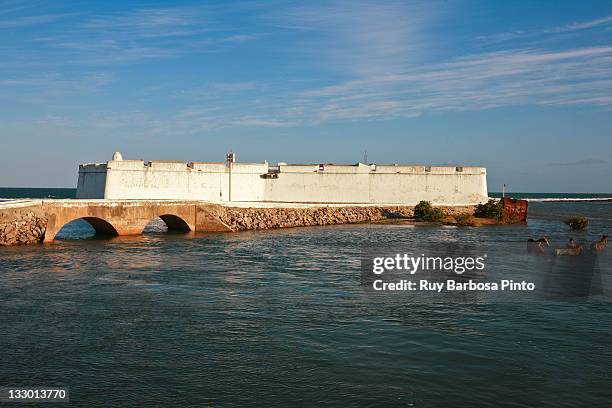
<point>577,222</point>
<point>490,209</point>
<point>423,211</point>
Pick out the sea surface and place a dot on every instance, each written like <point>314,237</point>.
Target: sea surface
<point>282,318</point>
<point>7,193</point>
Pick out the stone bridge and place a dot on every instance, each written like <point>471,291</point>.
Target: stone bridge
<point>29,221</point>
<point>37,220</point>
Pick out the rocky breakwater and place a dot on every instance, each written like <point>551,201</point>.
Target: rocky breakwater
<point>240,219</point>
<point>22,225</point>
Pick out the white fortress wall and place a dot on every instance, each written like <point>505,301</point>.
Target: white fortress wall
<point>303,183</point>
<point>438,184</point>
<point>132,179</point>
<point>308,183</point>
<point>247,183</point>
<point>209,180</point>
<point>378,184</point>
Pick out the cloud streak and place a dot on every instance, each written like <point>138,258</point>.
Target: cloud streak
<point>369,60</point>
<point>482,81</point>
<point>523,77</point>
<point>584,25</point>
<point>119,38</point>
<point>602,22</point>
<point>27,21</point>
<point>361,37</point>
<point>582,162</point>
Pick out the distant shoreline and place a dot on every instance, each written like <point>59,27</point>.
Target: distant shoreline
<point>567,200</point>
<point>557,197</point>
<point>12,193</point>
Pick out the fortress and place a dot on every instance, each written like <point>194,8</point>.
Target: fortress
<point>121,197</point>
<point>233,182</point>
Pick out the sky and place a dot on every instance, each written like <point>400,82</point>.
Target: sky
<point>523,88</point>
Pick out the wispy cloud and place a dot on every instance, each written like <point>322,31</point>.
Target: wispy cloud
<point>602,22</point>
<point>480,81</point>
<point>363,37</point>
<point>581,162</point>
<point>125,37</point>
<point>364,61</point>
<point>576,77</point>
<point>254,121</point>
<point>33,20</point>
<point>598,22</point>
<point>150,23</point>
<point>43,88</point>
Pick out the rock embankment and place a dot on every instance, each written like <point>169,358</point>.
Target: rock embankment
<point>240,219</point>
<point>22,226</point>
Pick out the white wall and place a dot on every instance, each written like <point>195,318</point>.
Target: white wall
<point>440,187</point>
<point>129,179</point>
<point>244,182</point>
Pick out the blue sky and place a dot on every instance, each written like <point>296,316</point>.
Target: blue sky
<point>523,88</point>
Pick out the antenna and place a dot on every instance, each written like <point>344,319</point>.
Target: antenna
<point>365,157</point>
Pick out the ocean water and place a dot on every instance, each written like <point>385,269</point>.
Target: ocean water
<point>281,318</point>
<point>7,193</point>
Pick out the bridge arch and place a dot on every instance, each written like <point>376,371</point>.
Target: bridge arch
<point>100,225</point>
<point>173,222</point>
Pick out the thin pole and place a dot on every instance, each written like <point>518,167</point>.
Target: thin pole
<point>231,164</point>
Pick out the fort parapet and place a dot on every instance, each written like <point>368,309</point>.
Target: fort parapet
<point>227,182</point>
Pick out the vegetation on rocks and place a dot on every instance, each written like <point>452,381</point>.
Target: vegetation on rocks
<point>577,222</point>
<point>491,209</point>
<point>424,211</point>
<point>464,220</point>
